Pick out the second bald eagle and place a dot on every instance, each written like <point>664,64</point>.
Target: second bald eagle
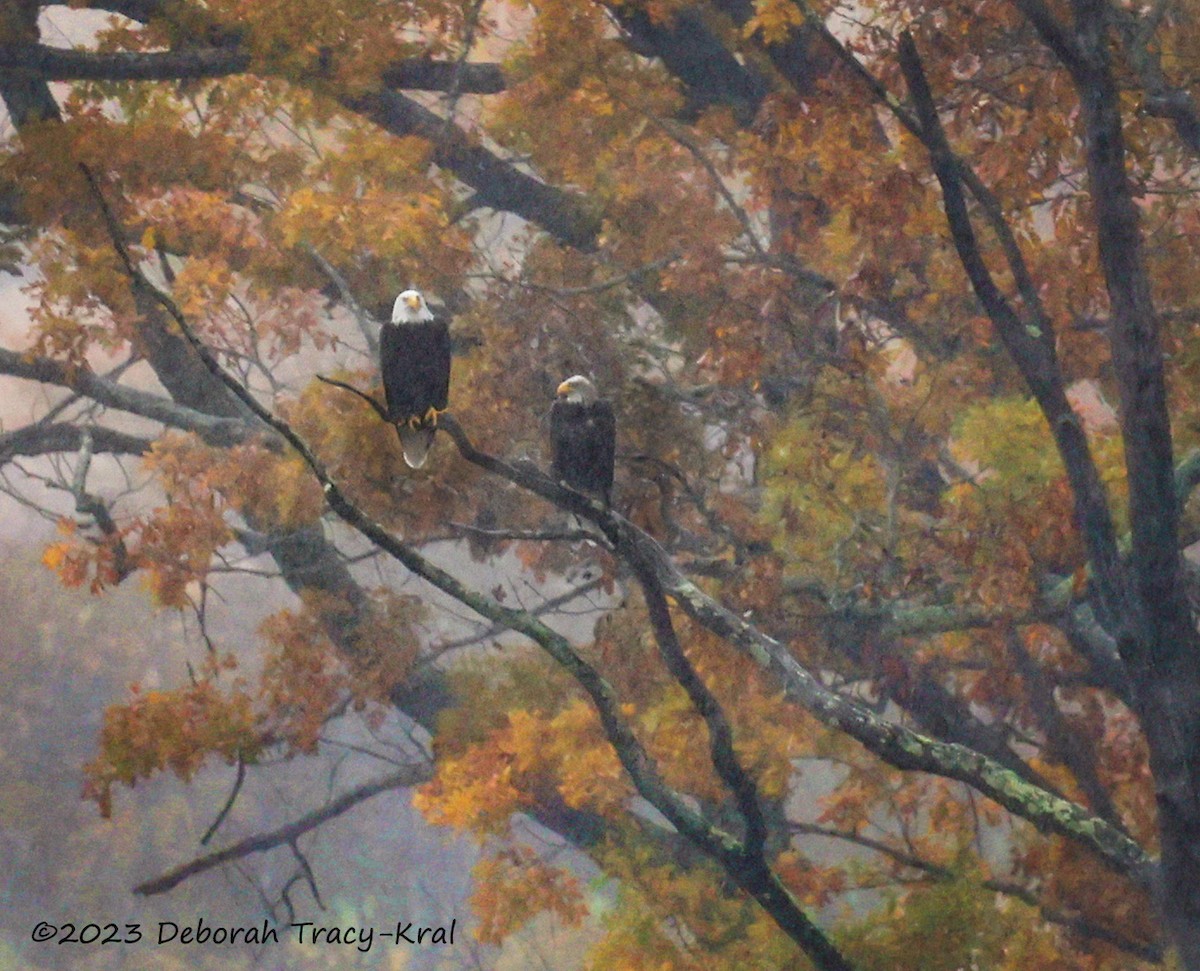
<point>414,361</point>
<point>583,438</point>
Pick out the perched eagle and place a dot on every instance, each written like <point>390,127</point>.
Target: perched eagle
<point>583,438</point>
<point>414,360</point>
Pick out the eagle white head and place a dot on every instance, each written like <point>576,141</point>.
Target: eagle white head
<point>577,390</point>
<point>410,308</point>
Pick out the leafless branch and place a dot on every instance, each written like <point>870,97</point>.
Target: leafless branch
<point>216,431</point>
<point>411,775</point>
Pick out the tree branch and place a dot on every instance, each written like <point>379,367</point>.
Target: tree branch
<point>1137,358</point>
<point>498,184</point>
<point>63,64</point>
<point>1041,326</point>
<point>361,317</point>
<point>720,733</point>
<point>66,64</point>
<point>412,775</point>
<point>45,439</point>
<point>215,431</point>
<point>1034,357</point>
<point>1054,35</point>
<point>1064,743</point>
<point>693,53</point>
<point>376,407</point>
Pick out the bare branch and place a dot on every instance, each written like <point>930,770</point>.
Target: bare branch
<point>526,536</point>
<point>599,287</point>
<point>411,775</point>
<point>216,431</point>
<point>233,792</point>
<point>540,610</point>
<point>46,439</point>
<point>361,317</point>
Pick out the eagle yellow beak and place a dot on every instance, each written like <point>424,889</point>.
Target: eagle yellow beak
<point>413,300</point>
<point>563,389</point>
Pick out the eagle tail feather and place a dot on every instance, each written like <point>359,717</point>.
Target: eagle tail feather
<point>416,442</point>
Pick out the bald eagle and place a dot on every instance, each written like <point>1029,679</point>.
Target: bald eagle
<point>583,437</point>
<point>414,360</point>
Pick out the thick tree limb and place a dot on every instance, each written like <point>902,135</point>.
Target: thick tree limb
<point>1157,638</point>
<point>797,57</point>
<point>1137,357</point>
<point>63,64</point>
<point>693,53</point>
<point>910,618</point>
<point>498,184</point>
<point>1062,43</point>
<point>424,74</point>
<point>216,431</point>
<point>45,439</point>
<point>67,64</point>
<point>28,99</point>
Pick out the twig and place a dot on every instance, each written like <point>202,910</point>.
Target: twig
<point>599,287</point>
<point>361,317</point>
<point>233,794</point>
<point>494,630</point>
<point>526,535</point>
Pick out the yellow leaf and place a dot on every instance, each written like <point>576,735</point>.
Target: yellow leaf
<point>54,555</point>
